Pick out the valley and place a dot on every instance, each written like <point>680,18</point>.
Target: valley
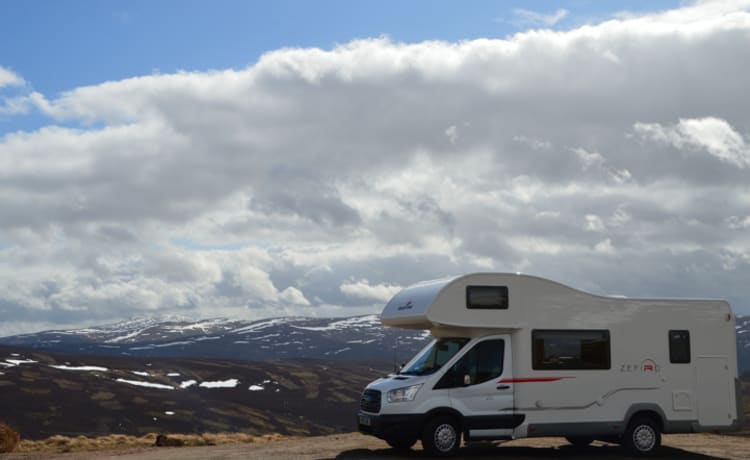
<point>44,394</point>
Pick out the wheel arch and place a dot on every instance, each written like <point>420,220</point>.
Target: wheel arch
<point>442,412</point>
<point>651,411</point>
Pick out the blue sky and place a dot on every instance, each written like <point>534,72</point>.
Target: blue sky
<point>248,159</point>
<point>57,46</point>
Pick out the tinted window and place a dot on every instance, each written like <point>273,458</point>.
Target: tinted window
<point>679,347</point>
<point>482,363</point>
<point>563,349</point>
<point>489,297</point>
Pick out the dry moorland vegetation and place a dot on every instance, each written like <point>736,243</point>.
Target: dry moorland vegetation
<point>295,398</point>
<point>9,438</point>
<point>10,441</point>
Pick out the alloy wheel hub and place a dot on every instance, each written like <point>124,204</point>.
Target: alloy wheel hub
<point>644,438</point>
<point>445,437</point>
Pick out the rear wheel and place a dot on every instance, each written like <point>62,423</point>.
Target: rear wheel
<point>642,436</point>
<point>441,437</point>
<point>580,441</point>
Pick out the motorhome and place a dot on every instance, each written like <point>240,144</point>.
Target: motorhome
<point>517,356</point>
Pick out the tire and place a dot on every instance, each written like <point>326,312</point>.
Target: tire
<point>579,442</point>
<point>642,437</point>
<point>441,437</point>
<point>401,443</point>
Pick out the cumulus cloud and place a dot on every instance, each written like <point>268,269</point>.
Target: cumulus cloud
<point>612,157</point>
<point>363,290</point>
<point>293,296</point>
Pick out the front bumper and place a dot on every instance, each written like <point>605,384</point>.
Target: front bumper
<point>391,426</point>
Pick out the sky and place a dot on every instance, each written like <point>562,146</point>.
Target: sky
<point>250,160</point>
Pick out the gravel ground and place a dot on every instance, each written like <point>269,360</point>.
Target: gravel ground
<point>356,446</point>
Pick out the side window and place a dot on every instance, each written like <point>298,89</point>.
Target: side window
<point>482,363</point>
<point>679,347</point>
<point>565,349</point>
<point>487,297</point>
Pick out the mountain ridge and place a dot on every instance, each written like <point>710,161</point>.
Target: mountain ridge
<point>340,338</point>
<point>345,338</point>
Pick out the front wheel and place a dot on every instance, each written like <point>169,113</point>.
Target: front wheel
<point>642,437</point>
<point>441,437</point>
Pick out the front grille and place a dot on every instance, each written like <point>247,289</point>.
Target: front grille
<point>370,401</point>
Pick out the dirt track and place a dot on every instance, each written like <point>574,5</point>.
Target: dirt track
<point>356,446</point>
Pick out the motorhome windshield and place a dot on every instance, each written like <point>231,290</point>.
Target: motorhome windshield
<point>435,356</point>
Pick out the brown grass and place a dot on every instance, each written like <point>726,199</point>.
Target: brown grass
<point>9,438</point>
<point>119,441</point>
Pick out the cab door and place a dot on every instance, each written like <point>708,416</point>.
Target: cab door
<point>478,389</point>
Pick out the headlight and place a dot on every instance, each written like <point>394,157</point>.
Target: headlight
<point>403,394</point>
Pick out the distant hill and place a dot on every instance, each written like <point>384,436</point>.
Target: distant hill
<point>359,338</point>
<point>355,338</point>
<point>44,394</point>
<point>743,344</point>
<point>285,375</point>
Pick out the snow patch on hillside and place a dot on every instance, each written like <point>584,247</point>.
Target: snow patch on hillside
<point>16,362</point>
<point>63,367</point>
<point>357,321</point>
<point>260,325</point>
<point>140,383</point>
<point>230,383</point>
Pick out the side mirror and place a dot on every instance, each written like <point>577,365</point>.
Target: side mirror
<point>467,380</point>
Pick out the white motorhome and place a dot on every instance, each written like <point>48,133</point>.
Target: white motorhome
<point>520,356</point>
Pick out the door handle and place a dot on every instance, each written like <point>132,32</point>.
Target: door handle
<point>503,387</point>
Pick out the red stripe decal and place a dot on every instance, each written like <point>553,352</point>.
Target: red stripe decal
<point>533,379</point>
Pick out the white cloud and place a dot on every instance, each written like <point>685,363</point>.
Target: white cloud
<point>535,143</point>
<point>594,223</point>
<point>595,161</point>
<point>525,18</point>
<point>14,106</point>
<point>605,247</point>
<point>589,159</point>
<point>452,134</point>
<point>364,290</point>
<point>712,135</point>
<point>13,102</point>
<point>293,296</point>
<point>9,78</point>
<point>738,223</point>
<point>316,181</point>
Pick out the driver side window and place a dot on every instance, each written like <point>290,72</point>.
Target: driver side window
<point>482,363</point>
